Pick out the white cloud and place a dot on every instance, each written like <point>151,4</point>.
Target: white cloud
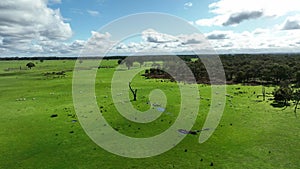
<point>191,22</point>
<point>93,13</point>
<point>191,39</point>
<point>188,5</point>
<point>231,12</point>
<point>237,18</point>
<point>152,42</point>
<point>291,22</point>
<point>217,20</point>
<point>60,48</point>
<point>217,35</point>
<point>269,7</point>
<point>23,24</point>
<point>260,31</point>
<point>161,43</point>
<point>151,35</point>
<point>259,40</point>
<point>98,44</point>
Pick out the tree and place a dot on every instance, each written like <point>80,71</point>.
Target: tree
<point>129,62</point>
<point>140,61</point>
<point>30,65</point>
<point>296,98</point>
<point>283,94</point>
<point>120,61</point>
<point>133,92</point>
<point>266,74</point>
<point>155,65</point>
<point>280,72</point>
<point>298,78</point>
<point>240,77</point>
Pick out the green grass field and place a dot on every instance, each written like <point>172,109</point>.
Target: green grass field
<point>251,134</point>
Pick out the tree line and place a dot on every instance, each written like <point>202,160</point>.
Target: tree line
<point>282,71</point>
<point>248,69</point>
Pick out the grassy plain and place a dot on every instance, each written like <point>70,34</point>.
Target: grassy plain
<point>251,134</point>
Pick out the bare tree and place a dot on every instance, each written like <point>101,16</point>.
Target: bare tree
<point>133,92</point>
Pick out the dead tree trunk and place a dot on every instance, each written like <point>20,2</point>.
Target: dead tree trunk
<point>133,92</point>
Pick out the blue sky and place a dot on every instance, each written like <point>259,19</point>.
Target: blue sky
<point>64,27</point>
<point>85,17</point>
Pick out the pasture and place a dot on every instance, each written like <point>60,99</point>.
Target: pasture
<point>40,129</point>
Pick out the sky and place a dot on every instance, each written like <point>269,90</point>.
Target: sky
<point>67,27</point>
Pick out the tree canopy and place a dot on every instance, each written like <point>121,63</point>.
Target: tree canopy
<point>30,65</point>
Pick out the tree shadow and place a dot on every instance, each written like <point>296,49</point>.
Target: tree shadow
<point>12,74</point>
<point>279,104</point>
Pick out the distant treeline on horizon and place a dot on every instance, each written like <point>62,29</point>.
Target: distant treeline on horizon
<point>123,57</point>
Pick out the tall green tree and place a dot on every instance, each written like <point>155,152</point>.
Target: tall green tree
<point>296,99</point>
<point>283,94</point>
<point>129,62</point>
<point>30,65</point>
<point>280,72</point>
<point>298,78</point>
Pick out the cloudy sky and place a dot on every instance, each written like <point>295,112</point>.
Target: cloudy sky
<point>64,27</point>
